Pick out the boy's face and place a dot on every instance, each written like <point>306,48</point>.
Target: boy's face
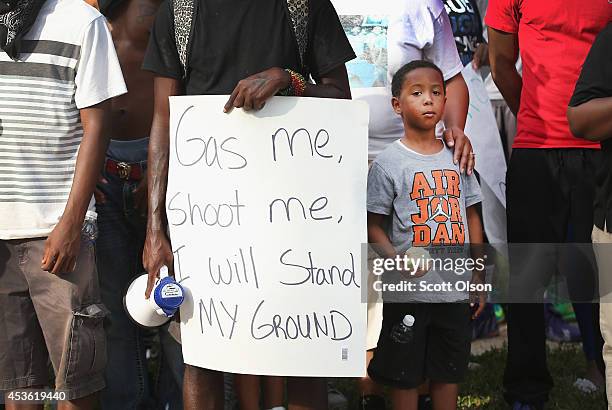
<point>422,98</point>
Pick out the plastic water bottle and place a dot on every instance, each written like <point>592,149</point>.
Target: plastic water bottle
<point>403,331</point>
<point>90,227</point>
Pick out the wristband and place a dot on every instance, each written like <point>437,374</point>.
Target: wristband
<point>297,84</point>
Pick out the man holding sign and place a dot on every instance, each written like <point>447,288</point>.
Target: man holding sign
<point>253,51</point>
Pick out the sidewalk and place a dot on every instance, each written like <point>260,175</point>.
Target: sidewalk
<point>481,346</point>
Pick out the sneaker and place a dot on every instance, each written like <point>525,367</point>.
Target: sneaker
<point>425,402</point>
<point>527,406</point>
<point>499,313</point>
<point>585,385</point>
<point>566,310</point>
<point>557,329</point>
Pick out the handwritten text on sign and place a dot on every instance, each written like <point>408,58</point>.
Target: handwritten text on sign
<point>266,213</point>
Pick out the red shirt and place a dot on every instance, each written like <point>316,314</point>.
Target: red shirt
<point>554,39</point>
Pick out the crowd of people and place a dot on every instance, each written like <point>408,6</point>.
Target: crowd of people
<point>84,149</point>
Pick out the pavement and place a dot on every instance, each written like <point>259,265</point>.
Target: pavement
<point>481,346</point>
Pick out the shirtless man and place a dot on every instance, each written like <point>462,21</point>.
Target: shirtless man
<point>121,206</point>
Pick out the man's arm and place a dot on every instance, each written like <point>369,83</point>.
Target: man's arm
<point>63,244</point>
<point>455,115</point>
<point>157,251</point>
<point>592,120</point>
<point>334,84</point>
<point>590,108</point>
<point>253,92</point>
<point>503,54</point>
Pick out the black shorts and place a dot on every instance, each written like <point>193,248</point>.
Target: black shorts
<point>439,349</point>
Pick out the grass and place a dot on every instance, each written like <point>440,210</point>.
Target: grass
<point>483,387</point>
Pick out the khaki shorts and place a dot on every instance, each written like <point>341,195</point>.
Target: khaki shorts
<point>46,316</point>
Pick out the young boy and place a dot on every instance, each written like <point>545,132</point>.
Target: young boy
<point>418,198</point>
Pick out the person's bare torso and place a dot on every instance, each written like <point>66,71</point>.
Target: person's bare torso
<point>130,25</point>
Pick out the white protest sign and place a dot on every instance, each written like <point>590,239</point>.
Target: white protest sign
<point>481,128</point>
<point>267,215</point>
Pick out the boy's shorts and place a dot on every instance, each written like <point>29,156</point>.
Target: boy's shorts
<point>46,316</point>
<point>439,349</point>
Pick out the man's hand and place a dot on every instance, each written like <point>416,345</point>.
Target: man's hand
<point>462,149</point>
<point>157,253</point>
<point>62,247</point>
<point>253,92</point>
<point>481,56</point>
<point>98,194</point>
<point>140,196</point>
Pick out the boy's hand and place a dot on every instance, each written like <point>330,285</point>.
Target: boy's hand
<point>478,300</point>
<point>411,273</point>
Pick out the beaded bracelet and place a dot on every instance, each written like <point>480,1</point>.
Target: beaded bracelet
<point>297,84</point>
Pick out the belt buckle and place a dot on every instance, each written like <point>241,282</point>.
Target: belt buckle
<point>124,170</point>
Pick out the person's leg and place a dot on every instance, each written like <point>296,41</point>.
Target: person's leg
<point>401,363</point>
<point>169,388</point>
<point>367,386</point>
<point>444,395</point>
<point>229,392</point>
<point>372,393</point>
<point>84,403</point>
<point>404,399</point>
<point>582,166</point>
<point>23,362</point>
<point>602,245</point>
<point>71,317</point>
<point>127,384</point>
<point>448,352</point>
<point>273,391</point>
<point>537,215</point>
<point>248,388</point>
<point>119,260</point>
<point>306,393</point>
<point>587,324</point>
<point>605,319</point>
<point>12,405</point>
<point>202,389</point>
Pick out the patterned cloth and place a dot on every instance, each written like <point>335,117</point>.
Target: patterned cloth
<point>16,18</point>
<point>184,13</point>
<point>183,16</point>
<point>298,10</point>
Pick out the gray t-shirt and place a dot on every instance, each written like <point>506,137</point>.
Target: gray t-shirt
<point>425,197</point>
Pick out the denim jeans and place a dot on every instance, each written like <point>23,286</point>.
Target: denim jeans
<point>119,259</point>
